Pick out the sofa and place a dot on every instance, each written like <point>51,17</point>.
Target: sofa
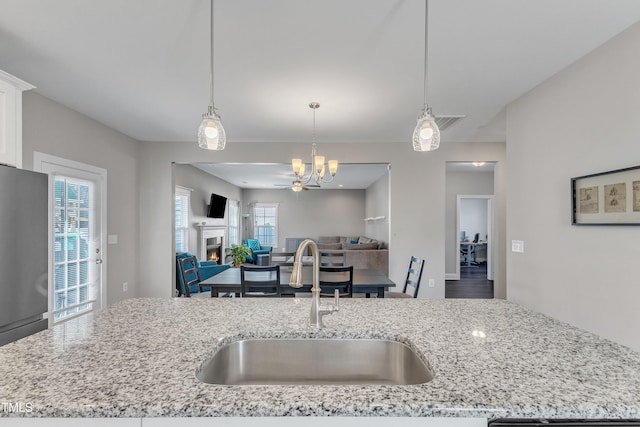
<point>207,269</point>
<point>359,251</point>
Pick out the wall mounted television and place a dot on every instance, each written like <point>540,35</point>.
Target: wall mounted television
<point>217,206</point>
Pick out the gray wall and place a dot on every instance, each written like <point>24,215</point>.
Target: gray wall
<point>314,213</point>
<point>53,129</point>
<point>417,203</point>
<point>377,204</point>
<point>203,184</point>
<point>581,121</point>
<point>462,183</point>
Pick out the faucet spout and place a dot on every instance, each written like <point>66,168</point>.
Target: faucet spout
<point>317,310</point>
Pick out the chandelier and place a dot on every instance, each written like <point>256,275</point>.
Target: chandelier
<point>318,168</point>
<point>426,136</point>
<point>211,135</point>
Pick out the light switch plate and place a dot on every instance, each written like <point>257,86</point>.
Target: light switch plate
<point>517,246</point>
<point>112,239</point>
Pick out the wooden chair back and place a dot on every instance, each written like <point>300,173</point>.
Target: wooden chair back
<point>332,259</point>
<point>340,278</point>
<point>190,273</point>
<point>257,281</point>
<point>283,259</point>
<point>414,276</point>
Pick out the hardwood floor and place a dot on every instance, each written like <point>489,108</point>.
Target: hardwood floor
<point>473,283</point>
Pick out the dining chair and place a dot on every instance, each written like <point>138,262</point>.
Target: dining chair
<point>190,275</point>
<point>283,259</point>
<point>257,281</point>
<point>414,276</point>
<point>332,259</point>
<point>340,278</point>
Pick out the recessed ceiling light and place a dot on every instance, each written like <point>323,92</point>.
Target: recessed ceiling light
<point>478,164</point>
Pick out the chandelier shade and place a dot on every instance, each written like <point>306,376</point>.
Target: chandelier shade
<point>211,134</point>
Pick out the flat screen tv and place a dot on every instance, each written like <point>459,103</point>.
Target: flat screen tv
<point>217,206</point>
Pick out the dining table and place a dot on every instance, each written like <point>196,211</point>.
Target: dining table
<point>366,281</point>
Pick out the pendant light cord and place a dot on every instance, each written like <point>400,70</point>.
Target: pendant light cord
<point>426,48</point>
<point>211,56</point>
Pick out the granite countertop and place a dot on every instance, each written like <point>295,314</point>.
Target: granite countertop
<point>138,358</point>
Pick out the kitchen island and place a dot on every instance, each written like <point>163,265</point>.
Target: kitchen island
<point>490,359</point>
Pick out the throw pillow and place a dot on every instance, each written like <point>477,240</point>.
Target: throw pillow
<point>253,244</point>
<point>362,239</point>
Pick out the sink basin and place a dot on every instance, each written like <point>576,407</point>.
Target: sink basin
<point>311,361</point>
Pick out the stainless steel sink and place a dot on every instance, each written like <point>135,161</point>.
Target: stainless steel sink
<point>276,361</point>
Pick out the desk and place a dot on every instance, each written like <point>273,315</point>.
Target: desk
<point>469,246</point>
<point>365,280</point>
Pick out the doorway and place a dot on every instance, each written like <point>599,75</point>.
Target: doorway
<point>77,224</point>
<point>474,225</point>
<point>470,228</point>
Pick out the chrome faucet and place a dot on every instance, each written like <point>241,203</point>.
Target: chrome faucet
<point>317,310</point>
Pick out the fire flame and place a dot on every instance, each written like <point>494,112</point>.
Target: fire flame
<point>214,257</point>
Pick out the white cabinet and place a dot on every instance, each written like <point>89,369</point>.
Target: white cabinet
<point>11,89</point>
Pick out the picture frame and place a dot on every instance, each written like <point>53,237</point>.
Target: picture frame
<point>606,198</point>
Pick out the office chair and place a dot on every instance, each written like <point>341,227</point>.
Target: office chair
<point>467,251</point>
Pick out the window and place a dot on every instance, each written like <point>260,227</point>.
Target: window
<point>234,223</point>
<point>74,230</point>
<point>265,220</point>
<point>182,204</point>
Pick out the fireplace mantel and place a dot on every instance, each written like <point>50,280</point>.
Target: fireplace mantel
<point>209,232</point>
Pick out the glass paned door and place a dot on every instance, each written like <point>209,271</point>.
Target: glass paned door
<point>77,253</point>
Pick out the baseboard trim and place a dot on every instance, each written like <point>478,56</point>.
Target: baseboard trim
<point>452,276</point>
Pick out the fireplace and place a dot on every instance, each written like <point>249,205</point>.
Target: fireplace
<point>211,242</point>
<point>214,249</point>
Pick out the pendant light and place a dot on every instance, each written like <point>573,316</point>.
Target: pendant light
<point>426,136</point>
<point>211,134</point>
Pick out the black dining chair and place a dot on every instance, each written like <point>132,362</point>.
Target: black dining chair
<point>332,259</point>
<point>414,276</point>
<point>258,281</point>
<point>340,278</point>
<point>190,275</point>
<point>283,259</point>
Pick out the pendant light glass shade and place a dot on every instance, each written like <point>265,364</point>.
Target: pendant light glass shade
<point>211,134</point>
<point>426,136</point>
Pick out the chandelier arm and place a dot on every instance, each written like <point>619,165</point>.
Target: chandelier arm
<point>306,179</point>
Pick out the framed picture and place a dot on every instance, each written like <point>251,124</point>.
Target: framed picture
<point>606,198</point>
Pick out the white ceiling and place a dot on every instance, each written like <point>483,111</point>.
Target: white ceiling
<point>142,66</point>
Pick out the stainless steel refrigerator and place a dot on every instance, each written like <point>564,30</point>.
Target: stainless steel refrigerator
<point>23,253</point>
